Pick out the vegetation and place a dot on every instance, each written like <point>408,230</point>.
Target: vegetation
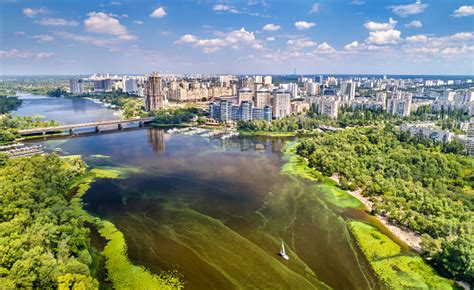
<point>288,124</point>
<point>9,125</point>
<point>416,186</point>
<point>121,272</point>
<point>174,116</point>
<point>8,104</point>
<point>43,241</point>
<point>395,269</point>
<point>131,105</point>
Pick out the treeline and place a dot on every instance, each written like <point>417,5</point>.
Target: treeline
<point>44,243</point>
<point>174,116</point>
<point>8,104</point>
<point>9,125</point>
<point>131,105</point>
<point>287,124</point>
<point>414,185</point>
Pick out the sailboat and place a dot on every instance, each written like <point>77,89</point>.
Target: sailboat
<point>283,252</point>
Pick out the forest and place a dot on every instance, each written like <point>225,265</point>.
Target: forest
<point>44,244</point>
<point>174,116</point>
<point>413,184</point>
<point>8,104</point>
<point>9,125</point>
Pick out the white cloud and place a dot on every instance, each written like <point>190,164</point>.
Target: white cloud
<point>357,2</point>
<point>211,49</point>
<point>187,38</point>
<point>15,53</point>
<point>117,3</point>
<point>31,12</point>
<point>211,42</point>
<point>271,27</point>
<point>352,46</point>
<point>158,13</point>
<point>43,55</point>
<point>384,37</point>
<point>138,22</point>
<point>414,24</point>
<point>225,8</point>
<point>464,11</point>
<point>463,36</point>
<point>304,25</point>
<point>57,22</point>
<point>270,38</point>
<point>417,38</point>
<point>97,41</point>
<point>370,25</point>
<point>325,48</point>
<point>99,22</point>
<point>257,46</point>
<point>20,33</point>
<point>43,38</point>
<point>315,8</point>
<point>409,9</point>
<point>301,43</point>
<point>240,36</point>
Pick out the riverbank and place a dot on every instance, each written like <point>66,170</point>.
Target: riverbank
<point>409,237</point>
<point>395,267</point>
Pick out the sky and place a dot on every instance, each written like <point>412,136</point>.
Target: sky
<point>45,37</point>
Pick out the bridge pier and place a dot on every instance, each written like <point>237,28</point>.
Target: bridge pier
<point>141,124</point>
<point>97,129</point>
<point>71,131</point>
<point>119,126</point>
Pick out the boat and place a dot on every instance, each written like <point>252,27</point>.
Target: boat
<point>283,252</point>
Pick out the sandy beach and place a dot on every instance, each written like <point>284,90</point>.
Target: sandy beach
<point>409,237</point>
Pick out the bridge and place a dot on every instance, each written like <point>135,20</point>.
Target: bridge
<point>97,125</point>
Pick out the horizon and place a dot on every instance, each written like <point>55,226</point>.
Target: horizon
<point>345,37</point>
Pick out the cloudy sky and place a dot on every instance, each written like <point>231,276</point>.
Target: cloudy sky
<point>251,36</point>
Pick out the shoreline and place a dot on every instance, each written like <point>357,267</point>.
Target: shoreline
<point>409,237</point>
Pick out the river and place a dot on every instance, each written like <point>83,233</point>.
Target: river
<point>214,210</point>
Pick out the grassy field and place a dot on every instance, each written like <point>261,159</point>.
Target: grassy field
<point>396,269</point>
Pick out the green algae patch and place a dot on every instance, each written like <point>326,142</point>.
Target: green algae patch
<point>124,274</point>
<point>106,173</point>
<point>394,268</point>
<point>121,271</point>
<point>114,172</point>
<point>297,166</point>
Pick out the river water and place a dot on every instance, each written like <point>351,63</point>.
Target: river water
<point>215,210</point>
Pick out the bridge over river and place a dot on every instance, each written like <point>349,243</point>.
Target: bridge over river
<point>97,125</point>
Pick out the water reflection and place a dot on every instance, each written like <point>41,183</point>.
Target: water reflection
<point>156,138</point>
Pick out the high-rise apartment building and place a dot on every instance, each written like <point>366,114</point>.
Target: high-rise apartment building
<point>328,106</point>
<point>470,138</point>
<point>103,85</point>
<point>400,104</point>
<point>263,97</point>
<point>76,86</point>
<point>245,94</point>
<point>154,99</point>
<point>348,89</point>
<point>281,103</point>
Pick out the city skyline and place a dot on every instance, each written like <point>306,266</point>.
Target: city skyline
<point>239,37</point>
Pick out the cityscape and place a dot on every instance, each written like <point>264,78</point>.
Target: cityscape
<point>254,144</point>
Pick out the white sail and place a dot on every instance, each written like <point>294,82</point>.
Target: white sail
<point>283,252</point>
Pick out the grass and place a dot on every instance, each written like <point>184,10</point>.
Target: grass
<point>122,273</point>
<point>396,269</point>
<point>297,166</point>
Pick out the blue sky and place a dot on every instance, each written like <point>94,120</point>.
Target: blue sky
<point>239,37</point>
